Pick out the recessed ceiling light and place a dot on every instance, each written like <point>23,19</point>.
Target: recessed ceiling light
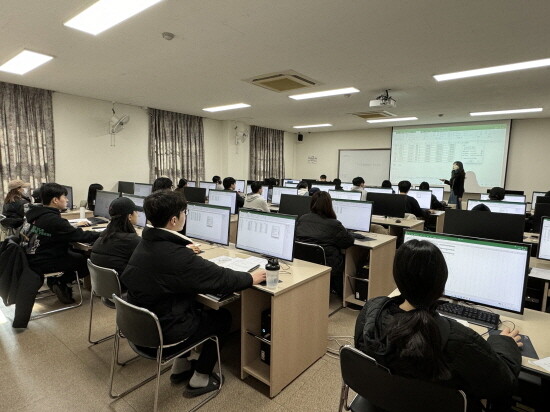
<point>24,62</point>
<point>105,14</point>
<point>314,95</point>
<point>394,119</point>
<point>492,70</point>
<point>312,125</point>
<point>228,107</point>
<point>533,110</point>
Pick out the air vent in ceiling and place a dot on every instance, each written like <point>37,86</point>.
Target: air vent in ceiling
<point>283,81</point>
<point>370,115</point>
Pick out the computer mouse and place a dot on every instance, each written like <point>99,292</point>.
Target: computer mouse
<point>398,221</point>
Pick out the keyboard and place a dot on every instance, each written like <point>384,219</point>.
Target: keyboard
<point>97,220</point>
<point>359,236</point>
<point>479,317</point>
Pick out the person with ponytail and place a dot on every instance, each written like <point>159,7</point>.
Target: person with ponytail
<point>457,184</point>
<point>408,336</point>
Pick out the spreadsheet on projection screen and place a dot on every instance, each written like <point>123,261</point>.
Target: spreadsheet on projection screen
<point>427,153</point>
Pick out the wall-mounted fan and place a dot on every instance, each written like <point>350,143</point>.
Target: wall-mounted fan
<point>116,124</point>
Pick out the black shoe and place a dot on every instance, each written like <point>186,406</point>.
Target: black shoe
<point>108,302</point>
<point>63,292</point>
<point>214,382</point>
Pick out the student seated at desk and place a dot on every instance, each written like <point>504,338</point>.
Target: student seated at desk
<point>218,180</point>
<point>302,188</point>
<point>497,193</point>
<point>386,184</point>
<point>409,337</point>
<point>337,184</point>
<point>359,186</point>
<point>256,200</point>
<point>229,184</point>
<point>14,204</point>
<point>323,178</point>
<point>181,185</point>
<point>164,275</point>
<point>412,205</point>
<point>434,204</point>
<point>322,228</point>
<point>162,183</point>
<point>92,194</point>
<point>47,238</point>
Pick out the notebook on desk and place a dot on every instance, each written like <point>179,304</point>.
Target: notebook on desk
<point>242,265</point>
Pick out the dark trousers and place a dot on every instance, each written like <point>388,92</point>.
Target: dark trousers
<point>68,264</point>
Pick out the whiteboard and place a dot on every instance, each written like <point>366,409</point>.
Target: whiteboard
<point>373,165</point>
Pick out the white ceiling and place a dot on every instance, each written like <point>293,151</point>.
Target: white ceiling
<point>368,44</point>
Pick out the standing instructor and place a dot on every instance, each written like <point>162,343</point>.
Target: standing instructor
<point>457,184</point>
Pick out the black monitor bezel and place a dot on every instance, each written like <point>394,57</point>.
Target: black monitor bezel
<point>95,207</point>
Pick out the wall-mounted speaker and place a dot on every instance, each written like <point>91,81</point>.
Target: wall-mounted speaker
<point>300,137</point>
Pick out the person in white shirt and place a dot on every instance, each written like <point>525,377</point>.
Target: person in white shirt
<point>359,186</point>
<point>255,200</point>
<point>302,189</point>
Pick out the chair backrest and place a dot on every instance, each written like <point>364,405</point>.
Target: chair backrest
<point>310,252</point>
<point>140,326</point>
<point>105,281</point>
<point>392,393</point>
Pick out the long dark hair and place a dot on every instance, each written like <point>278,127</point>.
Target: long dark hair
<point>420,273</point>
<point>92,193</point>
<point>321,204</point>
<point>460,171</point>
<point>162,183</point>
<point>117,224</point>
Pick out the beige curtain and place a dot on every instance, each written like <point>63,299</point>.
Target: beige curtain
<point>26,136</point>
<point>176,145</point>
<point>266,153</point>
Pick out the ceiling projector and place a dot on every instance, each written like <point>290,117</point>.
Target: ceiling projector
<point>383,101</point>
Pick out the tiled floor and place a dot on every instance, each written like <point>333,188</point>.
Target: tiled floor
<point>51,367</point>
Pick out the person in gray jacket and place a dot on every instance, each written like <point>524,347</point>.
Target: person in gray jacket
<point>255,200</point>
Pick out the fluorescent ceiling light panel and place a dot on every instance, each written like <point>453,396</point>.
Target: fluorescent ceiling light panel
<point>314,95</point>
<point>24,62</point>
<point>492,70</point>
<point>312,125</point>
<point>228,107</point>
<point>533,110</point>
<point>105,14</point>
<point>394,119</point>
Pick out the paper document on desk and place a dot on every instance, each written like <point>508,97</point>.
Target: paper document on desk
<point>241,265</point>
<point>78,220</point>
<point>544,363</point>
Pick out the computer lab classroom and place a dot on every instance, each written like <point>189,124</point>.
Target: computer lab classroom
<point>400,256</point>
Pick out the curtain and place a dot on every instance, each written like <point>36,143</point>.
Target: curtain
<point>266,153</point>
<point>26,136</point>
<point>176,146</point>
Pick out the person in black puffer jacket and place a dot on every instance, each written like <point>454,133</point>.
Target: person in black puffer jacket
<point>14,204</point>
<point>322,228</point>
<point>409,337</point>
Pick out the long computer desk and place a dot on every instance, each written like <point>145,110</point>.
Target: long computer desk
<point>397,225</point>
<point>75,214</point>
<point>379,253</point>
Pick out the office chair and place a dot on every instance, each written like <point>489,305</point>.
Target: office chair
<point>310,252</point>
<point>380,391</point>
<point>142,329</point>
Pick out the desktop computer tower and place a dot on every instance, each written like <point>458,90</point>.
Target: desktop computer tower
<point>265,349</point>
<point>362,281</point>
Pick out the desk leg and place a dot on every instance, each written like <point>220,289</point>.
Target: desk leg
<point>381,281</point>
<point>545,296</point>
<point>439,223</point>
<point>233,232</point>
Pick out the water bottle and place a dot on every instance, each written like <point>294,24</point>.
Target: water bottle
<point>272,273</point>
<point>82,212</point>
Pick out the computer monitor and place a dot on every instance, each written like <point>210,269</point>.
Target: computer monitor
<point>437,191</point>
<point>227,198</point>
<point>507,198</point>
<point>143,189</point>
<point>191,183</point>
<point>138,200</point>
<point>270,234</point>
<point>295,205</point>
<point>534,198</point>
<point>500,206</point>
<point>544,239</point>
<point>325,187</point>
<point>103,200</point>
<point>346,185</point>
<point>543,209</point>
<point>484,272</point>
<point>395,188</point>
<point>126,187</point>
<point>344,194</point>
<point>497,226</point>
<point>265,191</point>
<point>290,183</point>
<point>278,191</point>
<point>207,186</point>
<point>208,222</point>
<point>195,194</point>
<point>70,203</point>
<point>373,189</point>
<point>353,214</point>
<point>240,186</point>
<point>424,197</point>
<point>387,205</point>
<point>514,192</point>
<point>309,182</point>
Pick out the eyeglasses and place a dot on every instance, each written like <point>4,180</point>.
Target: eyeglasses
<point>186,211</point>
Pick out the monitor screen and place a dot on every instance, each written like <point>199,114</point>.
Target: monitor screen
<point>227,198</point>
<point>208,222</point>
<point>424,197</point>
<point>142,189</point>
<point>507,198</point>
<point>270,234</point>
<point>386,190</point>
<point>542,210</point>
<point>207,186</point>
<point>191,184</point>
<point>500,206</point>
<point>265,191</point>
<point>534,198</point>
<point>290,182</point>
<point>353,214</point>
<point>344,194</point>
<point>278,191</point>
<point>103,200</point>
<point>395,188</point>
<point>126,187</point>
<point>388,205</point>
<point>346,185</point>
<point>325,187</point>
<point>479,269</point>
<point>240,186</point>
<point>195,194</point>
<point>544,239</point>
<point>437,191</point>
<point>138,200</point>
<point>70,203</point>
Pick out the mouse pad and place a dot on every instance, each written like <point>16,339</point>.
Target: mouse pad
<point>528,350</point>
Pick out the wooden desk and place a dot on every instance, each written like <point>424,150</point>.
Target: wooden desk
<point>381,254</point>
<point>530,237</point>
<point>75,214</point>
<point>396,228</point>
<point>439,220</point>
<point>233,223</point>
